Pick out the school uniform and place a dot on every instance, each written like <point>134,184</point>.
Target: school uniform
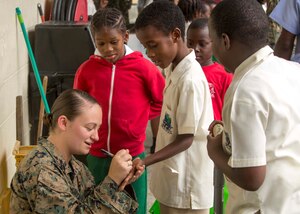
<point>186,179</point>
<point>262,125</point>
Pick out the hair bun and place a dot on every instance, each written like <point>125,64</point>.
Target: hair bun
<point>48,119</point>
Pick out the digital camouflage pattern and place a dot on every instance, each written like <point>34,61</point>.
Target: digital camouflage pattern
<point>274,28</point>
<point>46,183</point>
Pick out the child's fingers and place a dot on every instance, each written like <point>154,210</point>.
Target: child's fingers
<point>123,185</point>
<point>213,124</point>
<point>138,173</point>
<point>126,180</point>
<point>209,138</point>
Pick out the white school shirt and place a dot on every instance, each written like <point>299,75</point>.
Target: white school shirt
<point>186,179</point>
<point>261,115</point>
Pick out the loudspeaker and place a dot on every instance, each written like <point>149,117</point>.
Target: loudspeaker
<point>59,49</point>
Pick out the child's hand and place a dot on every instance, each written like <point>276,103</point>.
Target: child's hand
<point>139,167</point>
<point>211,126</point>
<point>214,143</point>
<point>136,171</point>
<point>120,166</point>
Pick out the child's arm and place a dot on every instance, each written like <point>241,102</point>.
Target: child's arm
<point>154,128</point>
<point>154,83</point>
<point>248,178</point>
<point>79,81</point>
<point>181,143</point>
<point>155,125</point>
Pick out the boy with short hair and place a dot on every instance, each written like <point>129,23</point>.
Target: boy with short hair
<point>182,178</point>
<point>218,79</point>
<point>260,114</point>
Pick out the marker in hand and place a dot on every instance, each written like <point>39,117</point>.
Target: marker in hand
<point>107,153</point>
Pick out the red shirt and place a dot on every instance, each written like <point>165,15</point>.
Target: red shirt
<point>130,93</point>
<point>218,81</point>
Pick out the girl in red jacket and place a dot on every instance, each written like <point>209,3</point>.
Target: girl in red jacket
<point>130,91</point>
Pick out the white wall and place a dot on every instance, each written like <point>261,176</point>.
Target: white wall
<point>14,67</point>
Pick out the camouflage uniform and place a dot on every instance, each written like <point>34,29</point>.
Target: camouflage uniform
<point>46,183</point>
<point>274,28</point>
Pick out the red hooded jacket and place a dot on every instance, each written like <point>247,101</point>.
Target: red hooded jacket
<point>130,93</point>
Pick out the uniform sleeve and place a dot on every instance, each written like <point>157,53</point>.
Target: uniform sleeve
<point>155,83</point>
<point>287,15</point>
<point>18,202</point>
<point>55,195</point>
<point>190,106</point>
<point>50,192</point>
<point>248,137</point>
<point>23,191</point>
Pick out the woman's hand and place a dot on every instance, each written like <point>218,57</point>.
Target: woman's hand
<point>120,166</point>
<point>136,171</point>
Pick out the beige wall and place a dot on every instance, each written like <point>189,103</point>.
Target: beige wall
<point>14,66</point>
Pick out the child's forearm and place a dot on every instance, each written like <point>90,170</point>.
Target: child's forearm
<point>154,125</point>
<point>181,143</point>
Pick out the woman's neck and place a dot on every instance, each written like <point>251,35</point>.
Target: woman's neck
<point>60,146</point>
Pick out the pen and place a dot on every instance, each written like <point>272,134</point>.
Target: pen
<point>107,153</point>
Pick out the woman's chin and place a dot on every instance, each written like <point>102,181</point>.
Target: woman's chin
<point>84,151</point>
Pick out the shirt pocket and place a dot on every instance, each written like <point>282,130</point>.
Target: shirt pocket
<point>56,194</point>
<point>53,182</point>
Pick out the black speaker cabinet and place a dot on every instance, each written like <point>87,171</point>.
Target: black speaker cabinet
<point>59,49</point>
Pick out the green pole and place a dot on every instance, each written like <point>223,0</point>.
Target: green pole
<point>32,59</point>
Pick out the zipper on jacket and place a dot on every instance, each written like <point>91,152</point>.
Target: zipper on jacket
<point>110,105</point>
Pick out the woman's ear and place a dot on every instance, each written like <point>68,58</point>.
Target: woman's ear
<point>62,122</point>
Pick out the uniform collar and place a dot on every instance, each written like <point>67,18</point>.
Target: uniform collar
<point>72,167</point>
<point>252,60</point>
<point>180,69</point>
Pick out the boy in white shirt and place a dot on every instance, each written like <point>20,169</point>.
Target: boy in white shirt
<point>182,178</point>
<point>260,114</point>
